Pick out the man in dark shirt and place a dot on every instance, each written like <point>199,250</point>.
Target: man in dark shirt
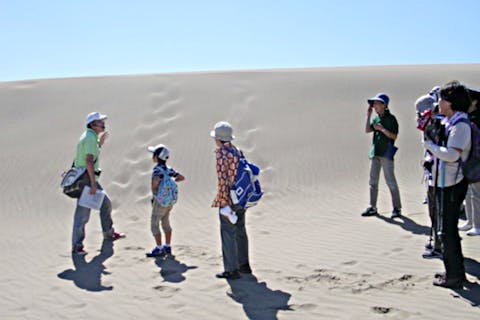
<point>385,130</point>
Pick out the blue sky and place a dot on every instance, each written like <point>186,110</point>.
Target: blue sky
<point>51,39</point>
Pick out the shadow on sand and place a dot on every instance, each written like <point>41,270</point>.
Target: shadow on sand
<point>471,290</point>
<point>171,269</point>
<point>259,302</point>
<point>407,224</point>
<point>88,275</point>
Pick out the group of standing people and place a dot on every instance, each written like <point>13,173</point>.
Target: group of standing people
<point>447,186</point>
<point>447,144</point>
<point>164,195</point>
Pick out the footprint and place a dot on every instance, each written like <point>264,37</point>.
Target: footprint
<point>166,292</point>
<point>381,310</point>
<point>134,248</point>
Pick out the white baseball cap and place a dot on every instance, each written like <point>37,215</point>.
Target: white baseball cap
<point>164,154</point>
<point>93,116</point>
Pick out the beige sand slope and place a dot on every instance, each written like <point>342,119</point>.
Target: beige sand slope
<point>313,256</point>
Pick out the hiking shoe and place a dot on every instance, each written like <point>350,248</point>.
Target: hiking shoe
<point>396,213</point>
<point>79,251</point>
<point>167,250</point>
<point>456,283</point>
<point>370,211</point>
<point>465,227</point>
<point>156,252</point>
<point>473,232</point>
<point>115,236</point>
<point>229,275</point>
<point>433,254</point>
<point>245,268</point>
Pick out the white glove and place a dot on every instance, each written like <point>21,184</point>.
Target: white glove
<point>227,212</point>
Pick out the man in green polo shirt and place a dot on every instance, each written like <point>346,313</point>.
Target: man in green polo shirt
<point>385,130</point>
<point>88,151</point>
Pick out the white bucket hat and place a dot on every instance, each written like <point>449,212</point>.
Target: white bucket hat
<point>93,116</point>
<point>164,154</point>
<point>222,131</point>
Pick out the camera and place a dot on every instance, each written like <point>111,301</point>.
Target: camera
<point>424,118</point>
<point>434,130</point>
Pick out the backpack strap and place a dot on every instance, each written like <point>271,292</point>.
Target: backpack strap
<point>73,162</point>
<point>464,120</point>
<point>165,171</point>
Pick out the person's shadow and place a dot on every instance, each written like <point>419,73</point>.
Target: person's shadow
<point>471,290</point>
<point>407,224</point>
<point>259,302</point>
<point>88,275</point>
<point>171,269</point>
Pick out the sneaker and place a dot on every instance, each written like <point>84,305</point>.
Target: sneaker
<point>229,275</point>
<point>115,236</point>
<point>370,211</point>
<point>156,252</point>
<point>473,232</point>
<point>433,254</point>
<point>465,227</point>
<point>449,283</point>
<point>396,213</point>
<point>167,250</point>
<point>245,268</point>
<point>79,251</point>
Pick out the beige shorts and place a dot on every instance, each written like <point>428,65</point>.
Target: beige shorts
<point>162,214</point>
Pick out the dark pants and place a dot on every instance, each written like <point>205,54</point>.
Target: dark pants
<point>445,214</point>
<point>234,242</point>
<point>432,210</point>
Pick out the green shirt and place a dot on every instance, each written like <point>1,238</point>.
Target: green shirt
<point>88,144</point>
<point>380,141</point>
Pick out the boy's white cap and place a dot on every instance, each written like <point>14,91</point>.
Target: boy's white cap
<point>94,116</point>
<point>164,154</point>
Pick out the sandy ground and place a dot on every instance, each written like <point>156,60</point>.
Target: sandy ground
<point>313,255</point>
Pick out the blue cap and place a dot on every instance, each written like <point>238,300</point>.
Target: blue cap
<point>382,97</point>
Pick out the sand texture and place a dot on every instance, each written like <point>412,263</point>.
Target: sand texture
<point>313,255</point>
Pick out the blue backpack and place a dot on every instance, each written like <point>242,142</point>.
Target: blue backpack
<point>471,166</point>
<point>246,190</point>
<point>167,194</point>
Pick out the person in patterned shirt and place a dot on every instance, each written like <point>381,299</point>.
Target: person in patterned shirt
<point>233,234</point>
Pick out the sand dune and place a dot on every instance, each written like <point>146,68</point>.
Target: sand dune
<point>313,256</point>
